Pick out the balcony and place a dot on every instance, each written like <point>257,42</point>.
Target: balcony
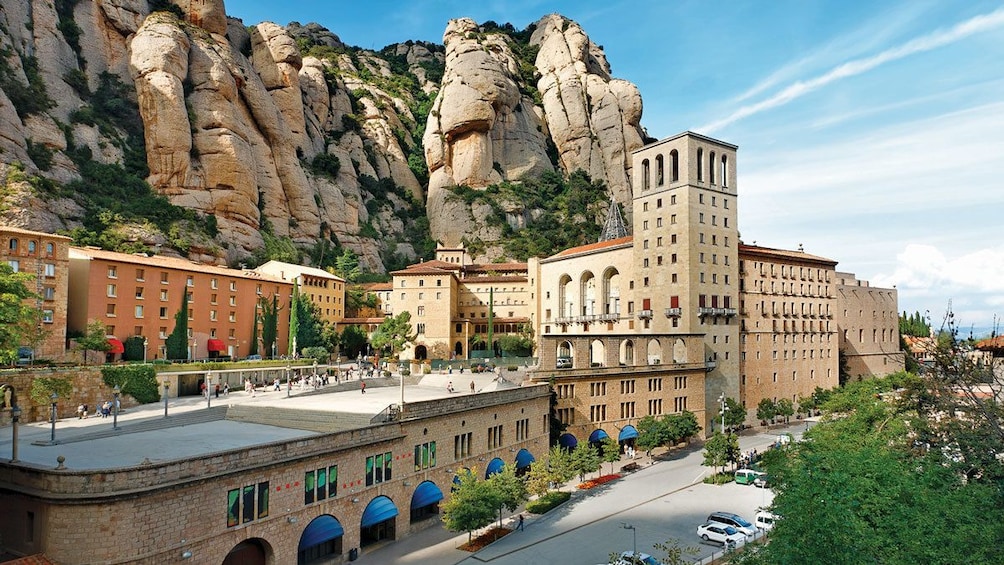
<point>645,314</point>
<point>702,311</point>
<point>674,312</point>
<point>609,317</point>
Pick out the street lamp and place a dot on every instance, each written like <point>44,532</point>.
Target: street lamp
<point>289,383</point>
<point>15,417</point>
<point>191,355</point>
<point>634,540</point>
<point>115,408</point>
<point>273,350</point>
<point>314,382</point>
<point>209,389</point>
<point>146,343</point>
<point>52,436</point>
<point>167,385</point>
<point>721,399</point>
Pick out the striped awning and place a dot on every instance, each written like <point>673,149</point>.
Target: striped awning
<point>320,530</point>
<point>427,493</point>
<point>380,509</point>
<point>523,459</point>
<point>627,432</point>
<point>568,441</point>
<point>494,466</point>
<point>597,436</point>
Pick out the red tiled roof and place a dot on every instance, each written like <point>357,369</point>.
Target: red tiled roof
<point>991,343</point>
<point>496,267</point>
<point>594,246</point>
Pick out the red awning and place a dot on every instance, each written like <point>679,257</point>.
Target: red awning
<point>216,345</point>
<point>116,346</point>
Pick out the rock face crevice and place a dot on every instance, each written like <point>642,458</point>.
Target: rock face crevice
<point>286,132</point>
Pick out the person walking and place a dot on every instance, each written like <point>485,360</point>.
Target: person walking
<point>520,525</point>
<point>472,387</point>
<point>362,386</point>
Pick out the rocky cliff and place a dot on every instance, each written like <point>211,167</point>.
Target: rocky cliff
<point>258,140</point>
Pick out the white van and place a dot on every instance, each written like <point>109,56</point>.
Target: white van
<point>764,520</point>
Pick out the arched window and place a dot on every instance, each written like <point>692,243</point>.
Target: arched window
<point>13,244</point>
<point>660,170</point>
<point>700,164</point>
<point>644,174</point>
<point>725,171</point>
<point>711,168</point>
<point>674,156</point>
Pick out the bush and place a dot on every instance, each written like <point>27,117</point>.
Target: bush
<point>547,502</point>
<point>719,479</point>
<point>138,381</point>
<point>318,353</point>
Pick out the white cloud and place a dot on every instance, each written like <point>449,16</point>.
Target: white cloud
<point>855,67</point>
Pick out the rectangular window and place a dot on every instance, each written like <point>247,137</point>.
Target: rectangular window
<point>190,281</point>
<point>378,468</point>
<point>113,272</point>
<point>110,310</point>
<point>320,484</point>
<point>50,270</point>
<point>425,456</point>
<point>163,277</point>
<point>139,311</point>
<point>47,316</point>
<point>495,437</point>
<point>247,504</point>
<point>462,445</point>
<point>112,291</point>
<point>163,312</point>
<point>140,275</point>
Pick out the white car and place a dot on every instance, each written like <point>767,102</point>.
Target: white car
<point>721,533</point>
<point>628,558</point>
<point>764,520</point>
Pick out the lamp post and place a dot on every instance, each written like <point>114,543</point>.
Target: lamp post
<point>15,417</point>
<point>634,539</point>
<point>191,353</point>
<point>115,407</point>
<point>273,350</point>
<point>721,399</point>
<point>146,343</point>
<point>167,385</point>
<point>52,436</point>
<point>209,389</point>
<point>289,383</point>
<point>314,382</point>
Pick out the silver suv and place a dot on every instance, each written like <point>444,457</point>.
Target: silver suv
<point>734,520</point>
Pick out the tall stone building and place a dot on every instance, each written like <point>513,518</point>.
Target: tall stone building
<point>868,320</point>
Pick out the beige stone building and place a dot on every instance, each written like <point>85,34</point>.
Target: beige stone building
<point>452,302</point>
<point>46,256</point>
<point>788,339</point>
<point>325,290</point>
<point>868,321</point>
<point>137,295</point>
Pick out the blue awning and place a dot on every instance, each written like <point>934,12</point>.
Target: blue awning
<point>427,493</point>
<point>598,436</point>
<point>494,466</point>
<point>627,432</point>
<point>378,510</point>
<point>320,530</point>
<point>524,458</point>
<point>568,441</point>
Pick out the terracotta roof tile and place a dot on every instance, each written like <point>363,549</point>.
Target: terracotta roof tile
<point>594,246</point>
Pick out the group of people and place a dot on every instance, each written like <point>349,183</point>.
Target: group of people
<point>748,458</point>
<point>104,410</point>
<point>450,389</point>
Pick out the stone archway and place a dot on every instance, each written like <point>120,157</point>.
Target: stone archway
<point>254,551</point>
<point>421,353</point>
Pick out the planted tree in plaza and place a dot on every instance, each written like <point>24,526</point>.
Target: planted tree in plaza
<point>394,334</point>
<point>585,460</point>
<point>176,344</point>
<point>538,478</point>
<point>510,491</point>
<point>652,432</point>
<point>720,449</point>
<point>735,413</point>
<point>471,505</point>
<point>254,334</point>
<point>95,338</point>
<point>766,410</point>
<point>785,408</point>
<point>610,451</point>
<point>352,341</point>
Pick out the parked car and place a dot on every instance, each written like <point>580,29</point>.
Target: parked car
<point>747,476</point>
<point>764,520</point>
<point>721,533</point>
<point>563,363</point>
<point>254,357</point>
<point>629,558</point>
<point>734,520</point>
<point>763,481</point>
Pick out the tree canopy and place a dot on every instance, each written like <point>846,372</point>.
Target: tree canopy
<point>17,317</point>
<point>393,334</point>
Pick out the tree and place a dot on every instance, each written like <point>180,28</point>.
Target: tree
<point>682,426</point>
<point>269,309</point>
<point>716,451</point>
<point>471,505</point>
<point>585,460</point>
<point>735,413</point>
<point>16,316</point>
<point>347,266</point>
<point>610,451</point>
<point>353,341</point>
<point>766,410</point>
<point>176,344</point>
<point>95,338</point>
<point>785,408</point>
<point>394,334</point>
<point>510,490</point>
<point>560,465</point>
<point>254,334</point>
<point>294,323</point>
<point>538,478</point>
<point>311,331</point>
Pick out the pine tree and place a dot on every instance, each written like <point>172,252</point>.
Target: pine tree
<point>176,345</point>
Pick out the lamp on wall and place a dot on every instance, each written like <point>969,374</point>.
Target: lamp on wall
<point>292,519</point>
<point>355,501</point>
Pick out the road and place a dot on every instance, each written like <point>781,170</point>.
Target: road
<point>661,502</point>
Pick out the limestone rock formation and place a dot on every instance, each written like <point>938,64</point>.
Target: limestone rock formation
<point>484,129</point>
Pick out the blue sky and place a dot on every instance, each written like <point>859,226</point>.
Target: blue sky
<point>871,133</point>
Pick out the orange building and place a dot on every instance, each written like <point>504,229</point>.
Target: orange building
<point>137,295</point>
<point>45,256</point>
